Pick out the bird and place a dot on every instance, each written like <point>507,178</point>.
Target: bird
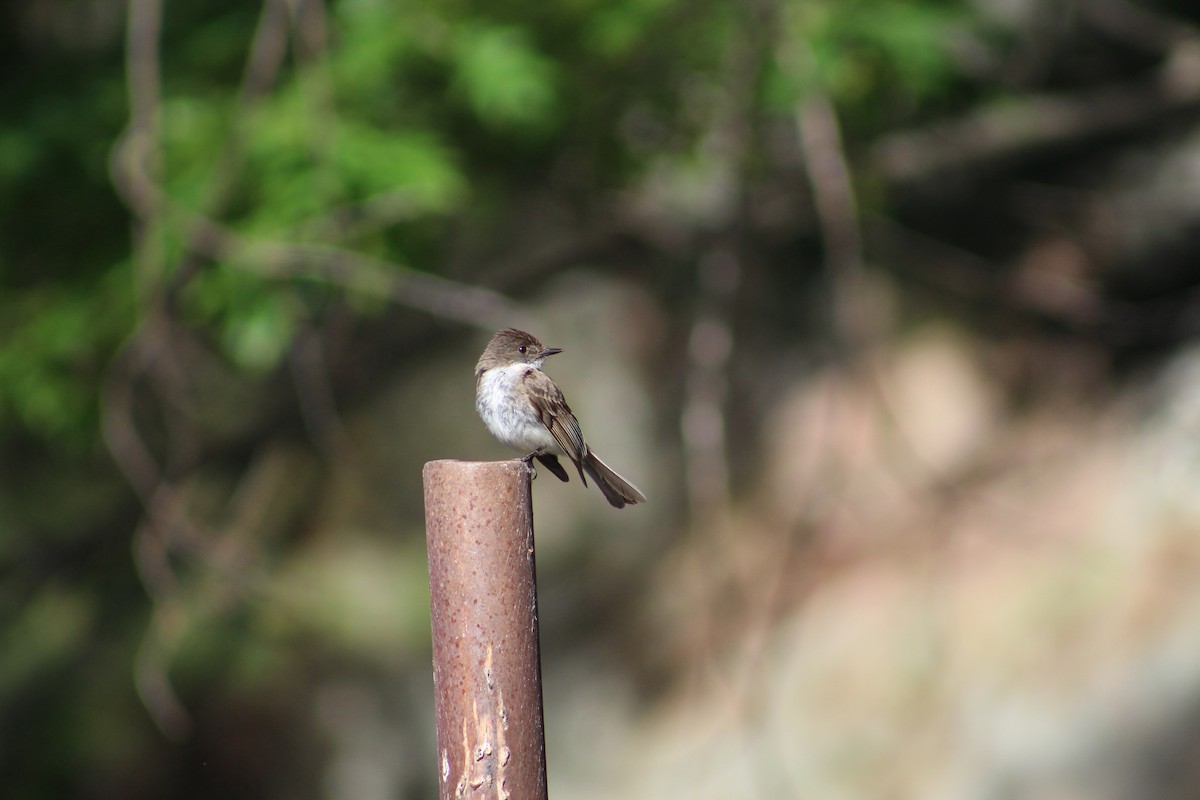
<point>523,407</point>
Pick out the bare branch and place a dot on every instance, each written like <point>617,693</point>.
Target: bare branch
<point>471,305</point>
<point>1137,24</point>
<point>1009,130</point>
<point>837,212</point>
<point>315,393</point>
<point>141,140</point>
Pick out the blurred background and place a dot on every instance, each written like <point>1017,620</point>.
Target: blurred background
<point>891,308</point>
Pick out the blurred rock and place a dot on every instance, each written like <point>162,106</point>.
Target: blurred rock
<point>1034,633</point>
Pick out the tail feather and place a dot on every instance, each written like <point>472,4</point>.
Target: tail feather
<point>550,462</point>
<point>618,491</point>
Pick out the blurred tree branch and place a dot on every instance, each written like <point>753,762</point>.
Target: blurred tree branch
<point>1138,24</point>
<point>148,367</point>
<point>1029,125</point>
<point>441,297</point>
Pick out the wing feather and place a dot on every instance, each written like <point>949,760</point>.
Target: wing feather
<point>556,415</point>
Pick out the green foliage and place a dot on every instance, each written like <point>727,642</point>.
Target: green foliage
<point>415,163</point>
<point>405,100</point>
<point>53,624</point>
<point>506,82</point>
<point>615,29</point>
<point>54,343</point>
<point>20,154</point>
<point>875,58</point>
<point>192,128</point>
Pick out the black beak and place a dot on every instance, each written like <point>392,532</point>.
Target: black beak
<point>551,351</point>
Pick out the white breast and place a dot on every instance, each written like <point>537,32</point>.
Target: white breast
<point>501,402</point>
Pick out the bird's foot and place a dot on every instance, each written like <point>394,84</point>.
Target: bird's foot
<point>528,459</point>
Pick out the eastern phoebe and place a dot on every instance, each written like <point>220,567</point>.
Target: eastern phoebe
<point>525,410</point>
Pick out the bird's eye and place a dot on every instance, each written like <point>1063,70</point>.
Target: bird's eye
<point>521,349</point>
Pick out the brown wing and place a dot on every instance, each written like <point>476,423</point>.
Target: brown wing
<point>556,415</point>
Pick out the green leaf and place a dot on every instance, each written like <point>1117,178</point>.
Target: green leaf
<point>506,82</point>
<point>373,161</point>
<point>258,338</point>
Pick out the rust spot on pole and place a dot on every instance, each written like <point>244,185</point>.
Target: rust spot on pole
<point>483,602</point>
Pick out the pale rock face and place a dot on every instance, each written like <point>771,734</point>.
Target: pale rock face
<point>1034,626</point>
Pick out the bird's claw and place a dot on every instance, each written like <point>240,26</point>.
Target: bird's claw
<point>528,459</point>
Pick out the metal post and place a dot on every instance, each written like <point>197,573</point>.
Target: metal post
<point>483,600</point>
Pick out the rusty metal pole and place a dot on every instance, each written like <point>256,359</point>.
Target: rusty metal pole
<point>483,601</point>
